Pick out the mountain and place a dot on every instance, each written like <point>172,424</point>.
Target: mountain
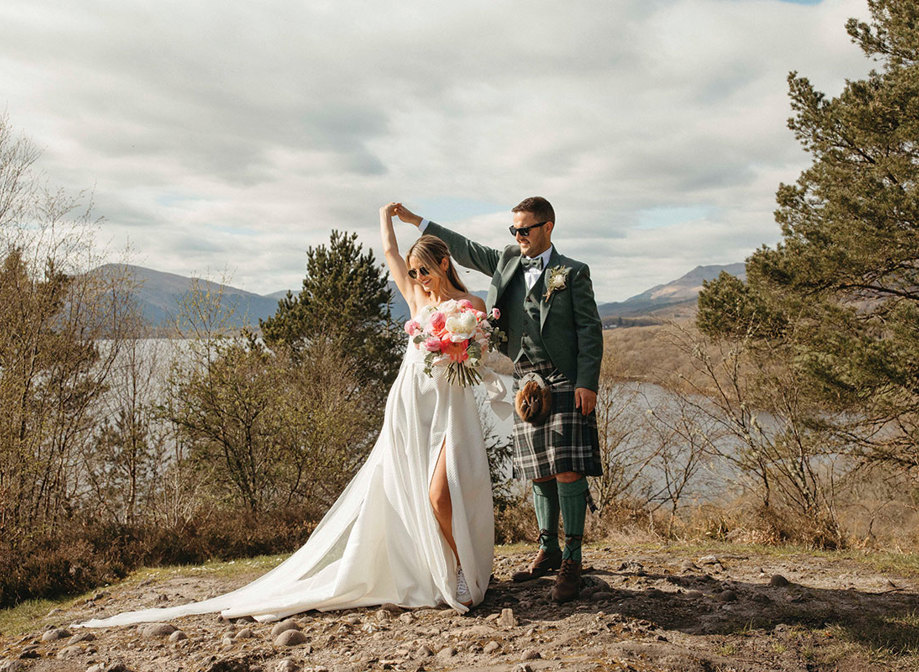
<point>160,295</point>
<point>677,298</point>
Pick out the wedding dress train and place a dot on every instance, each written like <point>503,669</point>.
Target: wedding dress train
<point>380,542</point>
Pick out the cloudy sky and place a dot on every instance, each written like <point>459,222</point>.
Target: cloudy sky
<point>229,136</point>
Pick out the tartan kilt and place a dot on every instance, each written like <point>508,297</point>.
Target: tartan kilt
<point>566,441</point>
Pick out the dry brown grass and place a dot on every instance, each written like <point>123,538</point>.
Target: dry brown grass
<point>648,354</point>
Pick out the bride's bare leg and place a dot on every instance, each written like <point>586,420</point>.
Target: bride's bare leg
<point>439,495</point>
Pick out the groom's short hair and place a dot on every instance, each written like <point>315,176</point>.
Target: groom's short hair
<point>541,208</point>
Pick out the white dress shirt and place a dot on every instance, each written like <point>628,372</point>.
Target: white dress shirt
<point>531,275</point>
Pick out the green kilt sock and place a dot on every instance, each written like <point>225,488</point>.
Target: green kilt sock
<point>545,502</point>
<point>572,499</point>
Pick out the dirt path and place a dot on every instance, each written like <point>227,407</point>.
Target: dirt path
<point>645,611</point>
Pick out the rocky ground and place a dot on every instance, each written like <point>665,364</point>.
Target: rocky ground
<point>641,610</point>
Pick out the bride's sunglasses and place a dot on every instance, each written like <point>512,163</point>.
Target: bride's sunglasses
<point>524,230</point>
<point>413,273</point>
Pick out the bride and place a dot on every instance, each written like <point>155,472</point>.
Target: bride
<point>415,526</point>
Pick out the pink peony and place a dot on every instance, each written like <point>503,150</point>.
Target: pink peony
<point>495,313</point>
<point>465,304</point>
<point>432,344</point>
<point>479,315</point>
<point>412,327</point>
<point>438,321</point>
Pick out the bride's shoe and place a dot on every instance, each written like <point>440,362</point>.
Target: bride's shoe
<point>463,596</point>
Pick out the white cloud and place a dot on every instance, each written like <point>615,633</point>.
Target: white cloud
<point>232,135</point>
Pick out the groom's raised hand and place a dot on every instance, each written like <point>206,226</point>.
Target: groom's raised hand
<point>407,215</point>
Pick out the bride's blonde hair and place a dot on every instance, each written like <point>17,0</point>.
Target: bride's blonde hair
<point>430,251</point>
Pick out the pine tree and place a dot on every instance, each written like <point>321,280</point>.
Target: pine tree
<point>842,287</point>
<point>345,302</point>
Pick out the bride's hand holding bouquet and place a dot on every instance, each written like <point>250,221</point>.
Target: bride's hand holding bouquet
<point>456,337</point>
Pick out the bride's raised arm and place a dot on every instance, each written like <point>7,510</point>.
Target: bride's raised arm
<point>394,260</point>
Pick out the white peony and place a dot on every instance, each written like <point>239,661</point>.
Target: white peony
<point>461,326</point>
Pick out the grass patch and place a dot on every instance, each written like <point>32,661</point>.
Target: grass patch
<point>884,636</point>
<point>219,568</point>
<point>32,615</point>
<point>882,561</point>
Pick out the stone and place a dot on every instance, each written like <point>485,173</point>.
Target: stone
<point>226,642</point>
<point>778,581</point>
<point>54,634</point>
<point>286,665</point>
<point>727,596</point>
<point>98,667</point>
<point>157,630</point>
<point>177,636</point>
<point>284,626</point>
<point>688,566</point>
<point>524,667</point>
<point>593,583</point>
<point>491,647</point>
<point>709,560</point>
<point>631,566</point>
<point>70,651</point>
<point>290,638</point>
<point>84,636</point>
<point>117,666</point>
<point>245,633</point>
<point>531,654</point>
<point>506,619</point>
<point>12,666</point>
<point>407,617</point>
<point>383,615</point>
<point>475,632</point>
<point>446,653</point>
<point>424,652</point>
<point>364,659</point>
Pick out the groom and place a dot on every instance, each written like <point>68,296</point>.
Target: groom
<point>549,314</point>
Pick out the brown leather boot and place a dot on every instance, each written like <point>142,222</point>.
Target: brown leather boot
<point>568,582</point>
<point>543,563</point>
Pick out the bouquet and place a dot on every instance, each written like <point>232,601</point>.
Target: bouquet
<point>456,337</point>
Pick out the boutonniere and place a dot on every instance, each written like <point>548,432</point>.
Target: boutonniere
<point>556,280</point>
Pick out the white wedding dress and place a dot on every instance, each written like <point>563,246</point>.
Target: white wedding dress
<point>380,543</point>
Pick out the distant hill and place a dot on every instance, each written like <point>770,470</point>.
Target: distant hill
<point>159,295</point>
<point>674,299</point>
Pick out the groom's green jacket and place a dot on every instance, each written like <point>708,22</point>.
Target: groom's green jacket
<point>570,326</point>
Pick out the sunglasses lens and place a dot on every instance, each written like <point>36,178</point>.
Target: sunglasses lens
<point>413,274</point>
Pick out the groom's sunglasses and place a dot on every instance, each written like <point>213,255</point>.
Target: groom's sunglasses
<point>524,230</point>
<point>413,273</point>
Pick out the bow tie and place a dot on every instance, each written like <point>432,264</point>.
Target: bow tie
<point>531,262</point>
